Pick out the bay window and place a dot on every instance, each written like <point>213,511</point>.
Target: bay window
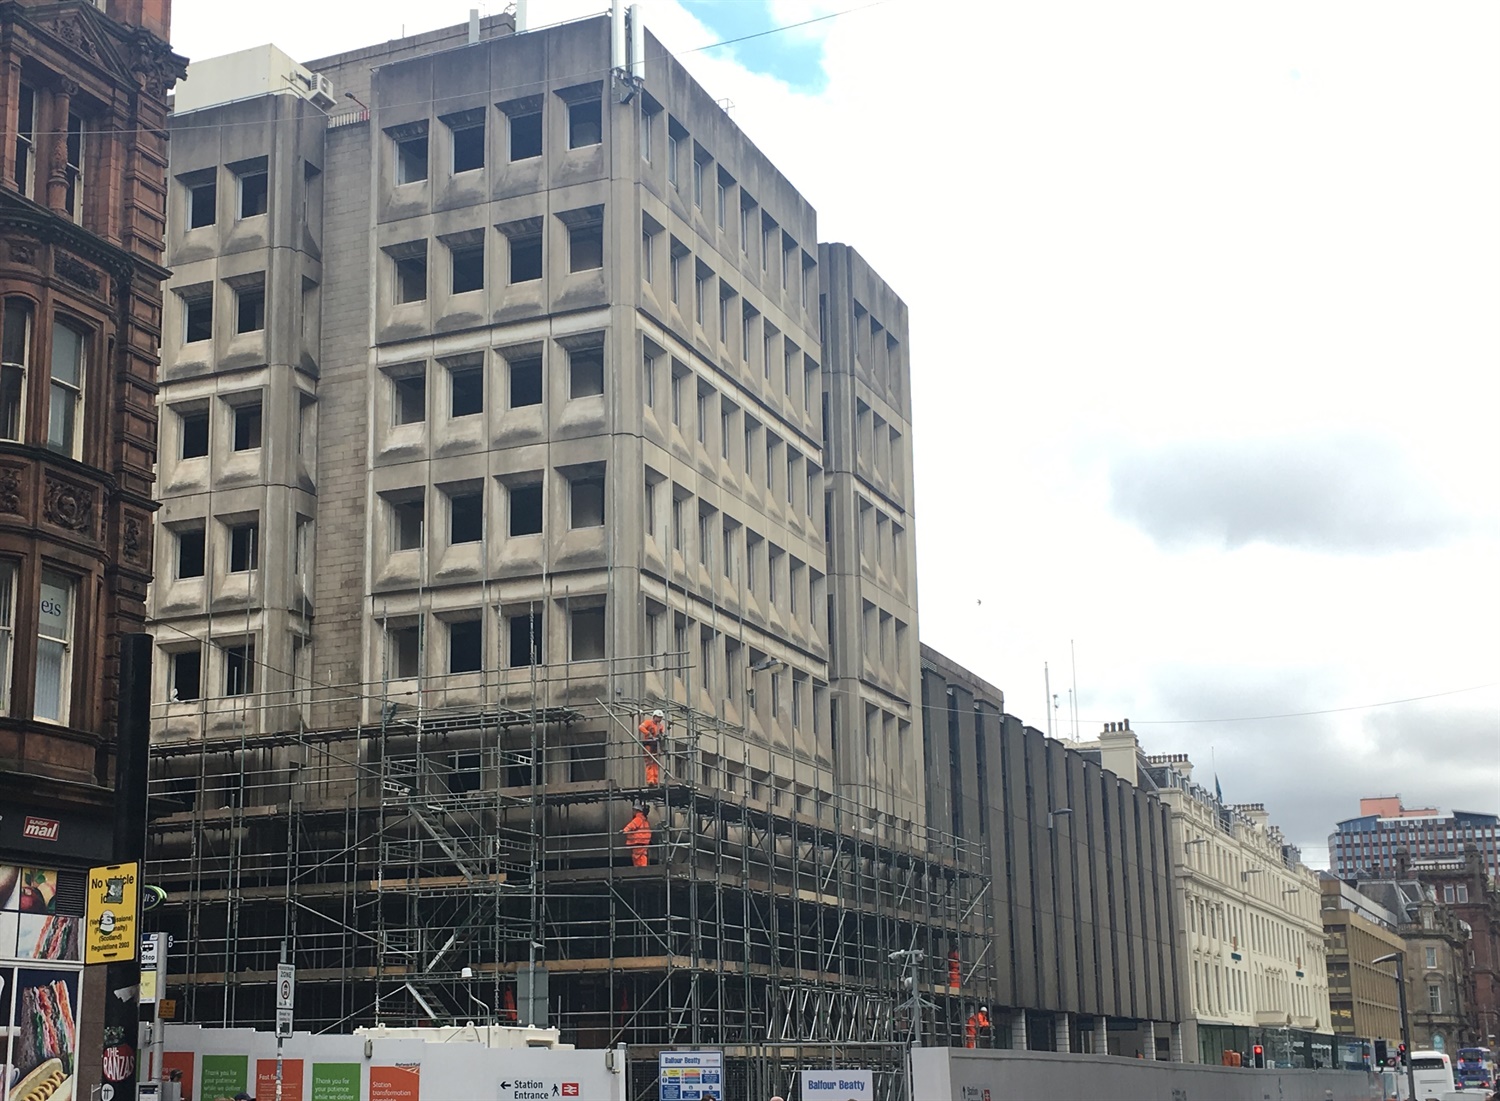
<point>54,647</point>
<point>7,606</point>
<point>15,356</point>
<point>65,409</point>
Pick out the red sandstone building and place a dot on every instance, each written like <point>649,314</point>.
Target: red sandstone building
<point>83,89</point>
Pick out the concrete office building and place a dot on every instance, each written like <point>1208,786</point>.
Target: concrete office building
<point>1366,846</point>
<point>1082,877</point>
<point>83,106</point>
<point>508,395</point>
<point>1362,995</point>
<point>1250,939</point>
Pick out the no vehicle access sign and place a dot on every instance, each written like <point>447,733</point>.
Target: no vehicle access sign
<point>286,985</point>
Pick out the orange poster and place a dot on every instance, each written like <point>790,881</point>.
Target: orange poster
<point>398,1083</point>
<point>182,1062</point>
<point>291,1079</point>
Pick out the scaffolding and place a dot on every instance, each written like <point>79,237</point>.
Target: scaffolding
<point>415,867</point>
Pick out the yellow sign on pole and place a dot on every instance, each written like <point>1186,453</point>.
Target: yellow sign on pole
<point>112,909</point>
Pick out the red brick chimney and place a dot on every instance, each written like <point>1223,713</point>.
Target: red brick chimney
<point>152,15</point>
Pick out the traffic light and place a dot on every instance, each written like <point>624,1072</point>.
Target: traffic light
<point>1260,1055</point>
<point>1401,1053</point>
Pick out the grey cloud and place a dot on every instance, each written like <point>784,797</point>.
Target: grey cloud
<point>1350,494</point>
<point>1433,753</point>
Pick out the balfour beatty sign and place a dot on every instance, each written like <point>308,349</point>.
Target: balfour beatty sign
<point>838,1085</point>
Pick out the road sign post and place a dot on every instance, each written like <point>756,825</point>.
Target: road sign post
<point>286,989</point>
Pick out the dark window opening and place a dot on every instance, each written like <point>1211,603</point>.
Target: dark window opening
<point>586,635</point>
<point>191,543</point>
<point>586,247</point>
<point>404,651</point>
<point>468,269</point>
<point>526,382</point>
<point>466,646</point>
<point>244,547</point>
<point>239,669</point>
<point>187,675</point>
<point>467,397</point>
<point>194,435</point>
<point>526,509</point>
<point>468,148</point>
<point>200,319</point>
<point>203,205</point>
<point>250,316</point>
<point>525,640</point>
<point>247,422</point>
<point>585,124</point>
<point>525,136</point>
<point>254,189</point>
<point>587,501</point>
<point>409,399</point>
<point>586,372</point>
<point>406,524</point>
<point>525,259</point>
<point>411,160</point>
<point>465,518</point>
<point>411,279</point>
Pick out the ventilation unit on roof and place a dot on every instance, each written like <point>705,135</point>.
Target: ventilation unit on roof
<point>321,92</point>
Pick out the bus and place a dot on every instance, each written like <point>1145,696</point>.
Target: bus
<point>1475,1067</point>
<point>1432,1075</point>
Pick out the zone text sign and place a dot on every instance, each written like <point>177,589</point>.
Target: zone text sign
<point>691,1075</point>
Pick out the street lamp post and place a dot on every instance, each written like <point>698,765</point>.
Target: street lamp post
<point>1399,959</point>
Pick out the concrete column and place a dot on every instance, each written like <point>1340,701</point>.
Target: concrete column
<point>1177,1051</point>
<point>1101,1036</point>
<point>1064,1030</point>
<point>1146,1038</point>
<point>1018,1030</point>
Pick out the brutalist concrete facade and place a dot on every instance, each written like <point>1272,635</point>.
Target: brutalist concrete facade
<point>1082,876</point>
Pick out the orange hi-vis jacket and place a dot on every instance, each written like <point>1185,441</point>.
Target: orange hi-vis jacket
<point>637,831</point>
<point>651,731</point>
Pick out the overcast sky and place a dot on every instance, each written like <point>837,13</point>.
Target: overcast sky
<point>1205,324</point>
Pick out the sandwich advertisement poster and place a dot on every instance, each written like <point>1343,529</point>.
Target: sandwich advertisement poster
<point>40,954</point>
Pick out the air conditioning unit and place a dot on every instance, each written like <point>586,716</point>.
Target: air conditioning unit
<point>321,92</point>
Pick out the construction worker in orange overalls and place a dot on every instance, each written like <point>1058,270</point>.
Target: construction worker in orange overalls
<point>954,973</point>
<point>508,1006</point>
<point>976,1022</point>
<point>652,727</point>
<point>638,835</point>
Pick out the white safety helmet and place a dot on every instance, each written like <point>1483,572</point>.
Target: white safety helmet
<point>657,714</point>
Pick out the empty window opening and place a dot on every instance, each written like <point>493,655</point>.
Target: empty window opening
<point>254,190</point>
<point>585,372</point>
<point>244,546</point>
<point>466,646</point>
<point>526,382</point>
<point>186,675</point>
<point>525,642</point>
<point>199,314</point>
<point>250,314</point>
<point>239,669</point>
<point>409,399</point>
<point>587,501</point>
<point>203,205</point>
<point>194,435</point>
<point>468,148</point>
<point>466,397</point>
<point>585,124</point>
<point>411,159</point>
<point>586,247</point>
<point>586,634</point>
<point>525,136</point>
<point>411,278</point>
<point>247,424</point>
<point>526,509</point>
<point>468,269</point>
<point>191,544</point>
<point>526,258</point>
<point>465,517</point>
<point>406,524</point>
<point>404,651</point>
